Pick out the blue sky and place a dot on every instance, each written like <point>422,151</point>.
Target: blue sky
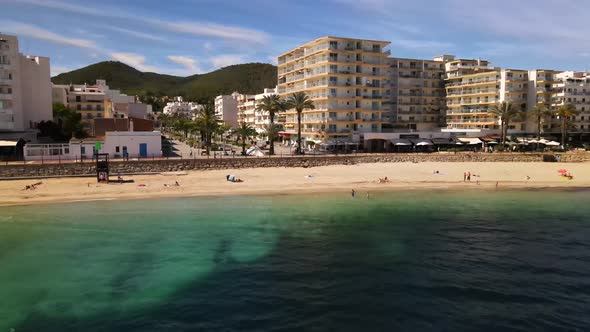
<point>185,37</point>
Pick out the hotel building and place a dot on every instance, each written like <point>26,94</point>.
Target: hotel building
<point>25,91</point>
<point>417,94</point>
<point>226,109</point>
<point>90,101</point>
<point>247,112</point>
<point>346,78</point>
<point>474,87</point>
<point>572,88</point>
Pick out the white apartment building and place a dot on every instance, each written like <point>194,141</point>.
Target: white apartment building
<point>572,88</point>
<point>25,91</point>
<point>346,78</point>
<point>473,87</point>
<point>248,113</point>
<point>180,107</point>
<point>226,108</point>
<point>417,94</point>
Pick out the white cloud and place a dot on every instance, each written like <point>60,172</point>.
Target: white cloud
<point>213,30</point>
<point>134,33</point>
<point>63,6</point>
<point>201,29</point>
<point>29,30</point>
<point>134,60</point>
<point>224,60</point>
<point>187,62</point>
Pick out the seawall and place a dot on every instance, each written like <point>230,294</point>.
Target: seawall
<point>12,171</point>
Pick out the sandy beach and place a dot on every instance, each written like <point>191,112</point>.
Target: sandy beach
<point>281,181</point>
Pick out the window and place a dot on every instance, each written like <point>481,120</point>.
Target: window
<point>88,107</point>
<point>333,44</point>
<point>117,149</point>
<point>79,107</point>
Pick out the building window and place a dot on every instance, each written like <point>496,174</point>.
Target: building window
<point>117,149</point>
<point>79,107</point>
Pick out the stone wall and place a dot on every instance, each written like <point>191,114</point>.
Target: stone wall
<point>156,166</point>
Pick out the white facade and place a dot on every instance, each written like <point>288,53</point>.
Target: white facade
<point>248,113</point>
<point>181,107</point>
<point>117,144</point>
<point>226,108</point>
<point>573,88</point>
<point>25,88</point>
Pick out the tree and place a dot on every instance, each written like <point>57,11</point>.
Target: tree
<point>539,113</point>
<point>271,105</point>
<point>564,114</point>
<point>66,124</point>
<point>245,132</point>
<point>207,123</point>
<point>505,112</point>
<point>299,101</point>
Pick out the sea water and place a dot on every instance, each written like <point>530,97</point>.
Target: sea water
<point>416,260</point>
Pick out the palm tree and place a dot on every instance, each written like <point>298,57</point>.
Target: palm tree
<point>299,101</point>
<point>244,132</point>
<point>539,113</point>
<point>270,104</point>
<point>564,113</point>
<point>207,123</point>
<point>505,112</point>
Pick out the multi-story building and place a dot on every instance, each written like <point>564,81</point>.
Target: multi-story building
<point>248,111</point>
<point>25,91</point>
<point>91,101</point>
<point>473,87</point>
<point>226,108</point>
<point>572,88</point>
<point>418,93</point>
<point>346,78</point>
<point>180,107</point>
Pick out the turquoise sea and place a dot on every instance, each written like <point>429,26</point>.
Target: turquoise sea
<point>401,261</point>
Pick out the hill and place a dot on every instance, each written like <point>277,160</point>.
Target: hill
<point>247,78</point>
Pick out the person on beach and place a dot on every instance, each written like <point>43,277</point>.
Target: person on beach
<point>353,193</point>
<point>368,195</point>
<point>468,176</point>
<point>176,183</point>
<point>464,176</point>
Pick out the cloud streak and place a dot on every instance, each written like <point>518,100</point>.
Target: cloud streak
<point>188,63</point>
<point>136,34</point>
<point>33,31</point>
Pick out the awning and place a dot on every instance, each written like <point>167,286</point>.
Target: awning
<point>400,142</point>
<point>8,143</point>
<point>552,143</point>
<point>421,142</point>
<point>470,140</point>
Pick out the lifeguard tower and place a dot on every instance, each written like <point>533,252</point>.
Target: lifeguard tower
<point>102,167</point>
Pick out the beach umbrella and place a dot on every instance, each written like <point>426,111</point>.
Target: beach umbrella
<point>562,171</point>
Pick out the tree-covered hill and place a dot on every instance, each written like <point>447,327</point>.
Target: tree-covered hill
<point>247,78</point>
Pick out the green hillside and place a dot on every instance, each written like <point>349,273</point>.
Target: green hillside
<point>247,78</point>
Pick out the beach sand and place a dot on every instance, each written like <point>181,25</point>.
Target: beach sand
<point>280,181</point>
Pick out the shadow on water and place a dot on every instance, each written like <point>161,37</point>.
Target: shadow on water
<point>414,270</point>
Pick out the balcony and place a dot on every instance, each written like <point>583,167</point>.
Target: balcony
<point>6,96</point>
<point>5,81</point>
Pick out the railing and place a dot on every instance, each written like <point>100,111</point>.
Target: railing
<point>314,49</point>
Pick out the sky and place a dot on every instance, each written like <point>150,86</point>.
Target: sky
<point>186,37</point>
